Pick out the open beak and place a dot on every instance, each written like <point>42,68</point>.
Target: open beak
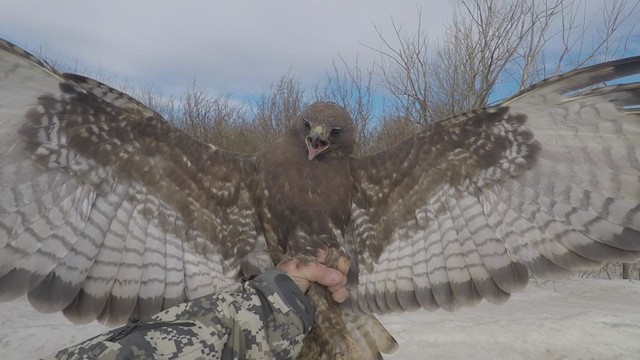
<point>317,141</point>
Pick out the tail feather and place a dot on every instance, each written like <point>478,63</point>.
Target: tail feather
<point>370,335</point>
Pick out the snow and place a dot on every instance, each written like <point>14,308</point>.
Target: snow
<point>570,319</point>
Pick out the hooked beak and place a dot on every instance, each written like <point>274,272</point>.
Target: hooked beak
<point>316,141</point>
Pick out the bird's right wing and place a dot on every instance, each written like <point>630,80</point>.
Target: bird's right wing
<point>106,210</point>
<point>548,181</point>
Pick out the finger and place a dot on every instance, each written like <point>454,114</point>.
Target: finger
<point>313,271</point>
<point>341,295</point>
<point>331,277</point>
<point>336,287</point>
<point>323,275</point>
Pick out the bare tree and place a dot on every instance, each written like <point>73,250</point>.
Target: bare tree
<point>278,107</point>
<point>390,129</point>
<point>212,119</point>
<point>461,70</point>
<point>492,42</point>
<point>587,39</point>
<point>406,72</point>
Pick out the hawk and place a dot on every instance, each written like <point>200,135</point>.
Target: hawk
<point>107,211</point>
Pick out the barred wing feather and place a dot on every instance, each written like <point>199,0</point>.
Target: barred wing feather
<point>106,210</point>
<point>547,181</point>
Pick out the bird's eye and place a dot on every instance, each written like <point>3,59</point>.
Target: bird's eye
<point>307,125</point>
<point>336,131</point>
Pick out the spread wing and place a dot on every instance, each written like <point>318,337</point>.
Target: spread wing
<point>547,182</point>
<point>106,210</point>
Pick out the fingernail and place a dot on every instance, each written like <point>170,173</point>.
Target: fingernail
<point>344,264</point>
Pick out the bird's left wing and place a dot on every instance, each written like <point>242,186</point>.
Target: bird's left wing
<point>106,210</point>
<point>548,181</point>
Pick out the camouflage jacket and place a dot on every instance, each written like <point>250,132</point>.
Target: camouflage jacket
<point>268,320</point>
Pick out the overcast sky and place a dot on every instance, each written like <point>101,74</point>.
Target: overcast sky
<point>231,46</point>
<point>236,46</point>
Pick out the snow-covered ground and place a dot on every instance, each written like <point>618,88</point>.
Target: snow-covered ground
<point>571,319</point>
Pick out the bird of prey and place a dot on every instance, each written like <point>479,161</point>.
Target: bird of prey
<point>107,210</point>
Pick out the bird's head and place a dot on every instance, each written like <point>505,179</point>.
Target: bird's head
<point>327,130</point>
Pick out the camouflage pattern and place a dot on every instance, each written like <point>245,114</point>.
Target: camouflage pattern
<point>268,320</point>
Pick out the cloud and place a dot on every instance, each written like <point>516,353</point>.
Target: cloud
<point>238,46</point>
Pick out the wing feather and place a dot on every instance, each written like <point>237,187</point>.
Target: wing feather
<point>97,285</point>
<point>124,293</point>
<point>477,274</point>
<point>458,271</point>
<point>63,283</point>
<point>153,267</point>
<point>391,277</point>
<point>106,210</point>
<point>422,286</point>
<point>175,275</point>
<point>405,286</point>
<point>548,182</point>
<point>436,267</point>
<point>66,225</point>
<point>487,251</point>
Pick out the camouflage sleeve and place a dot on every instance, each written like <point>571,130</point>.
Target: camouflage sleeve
<point>268,320</point>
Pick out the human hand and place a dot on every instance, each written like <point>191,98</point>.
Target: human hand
<point>304,275</point>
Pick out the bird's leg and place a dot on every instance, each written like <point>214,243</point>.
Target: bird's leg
<point>329,337</point>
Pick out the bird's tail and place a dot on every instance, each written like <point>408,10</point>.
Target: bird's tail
<point>341,335</point>
<point>370,335</point>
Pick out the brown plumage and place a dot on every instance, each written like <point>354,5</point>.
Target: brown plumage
<point>106,210</point>
<point>304,205</point>
<point>317,193</point>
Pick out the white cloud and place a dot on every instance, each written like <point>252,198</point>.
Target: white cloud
<point>239,46</point>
